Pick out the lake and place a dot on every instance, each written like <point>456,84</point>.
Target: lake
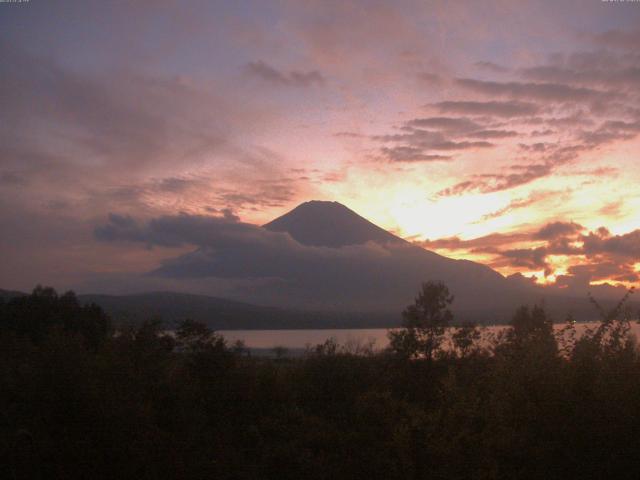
<point>300,339</point>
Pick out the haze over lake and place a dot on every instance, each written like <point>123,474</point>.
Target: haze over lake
<point>300,339</point>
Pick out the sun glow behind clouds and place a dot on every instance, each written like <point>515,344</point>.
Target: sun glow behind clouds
<point>422,218</point>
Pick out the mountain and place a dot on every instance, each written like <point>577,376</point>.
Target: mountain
<point>329,224</point>
<point>219,313</point>
<point>388,281</point>
<point>320,265</point>
<point>366,268</point>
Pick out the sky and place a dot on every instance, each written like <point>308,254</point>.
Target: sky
<point>497,131</point>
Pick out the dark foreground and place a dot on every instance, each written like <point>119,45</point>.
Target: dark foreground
<point>80,401</point>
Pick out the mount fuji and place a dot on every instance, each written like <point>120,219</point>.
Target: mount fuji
<point>323,261</point>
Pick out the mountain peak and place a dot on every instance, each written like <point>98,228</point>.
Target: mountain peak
<point>329,224</point>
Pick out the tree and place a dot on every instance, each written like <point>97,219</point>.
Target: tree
<point>424,322</point>
<point>531,325</point>
<point>35,316</point>
<point>530,338</point>
<point>466,338</point>
<point>196,337</point>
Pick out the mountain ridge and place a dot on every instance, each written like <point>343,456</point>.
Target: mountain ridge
<point>329,224</point>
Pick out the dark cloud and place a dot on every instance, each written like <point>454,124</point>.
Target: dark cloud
<point>631,127</point>
<point>579,278</point>
<point>545,159</point>
<point>178,230</point>
<point>601,241</point>
<point>445,123</point>
<point>601,255</point>
<point>411,154</point>
<point>571,101</point>
<point>463,145</point>
<point>179,184</point>
<point>420,145</point>
<point>460,188</point>
<point>535,147</point>
<point>618,38</point>
<point>601,69</point>
<point>262,193</point>
<point>414,136</point>
<point>488,243</point>
<point>93,115</point>
<point>366,275</point>
<point>104,136</point>
<point>552,92</point>
<point>491,67</point>
<point>610,131</point>
<point>349,135</point>
<point>227,213</point>
<point>493,134</point>
<point>619,76</point>
<point>507,109</point>
<point>571,121</point>
<point>432,79</point>
<point>489,183</point>
<point>542,133</point>
<point>534,258</point>
<point>557,229</point>
<point>293,78</point>
<point>130,139</point>
<point>12,179</point>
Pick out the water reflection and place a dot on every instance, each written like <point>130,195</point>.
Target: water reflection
<point>300,339</point>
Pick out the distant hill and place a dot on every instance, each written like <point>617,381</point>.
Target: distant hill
<point>9,294</point>
<point>222,314</point>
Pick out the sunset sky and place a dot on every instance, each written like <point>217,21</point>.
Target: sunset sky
<point>504,132</point>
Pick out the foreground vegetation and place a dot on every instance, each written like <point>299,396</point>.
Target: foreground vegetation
<point>79,400</point>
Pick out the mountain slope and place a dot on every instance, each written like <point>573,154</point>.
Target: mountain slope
<point>329,224</point>
<point>387,280</point>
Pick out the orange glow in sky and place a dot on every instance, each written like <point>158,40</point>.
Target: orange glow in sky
<point>507,135</point>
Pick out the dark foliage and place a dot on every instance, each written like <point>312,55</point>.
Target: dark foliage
<point>424,322</point>
<point>35,316</point>
<point>78,400</point>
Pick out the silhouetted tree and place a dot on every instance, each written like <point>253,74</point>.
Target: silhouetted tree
<point>531,325</point>
<point>148,404</point>
<point>465,339</point>
<point>35,316</point>
<point>424,322</point>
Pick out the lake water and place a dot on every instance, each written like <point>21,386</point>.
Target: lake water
<point>300,339</point>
